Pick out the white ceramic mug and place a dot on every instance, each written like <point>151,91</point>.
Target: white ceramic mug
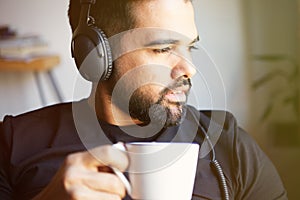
<point>161,171</point>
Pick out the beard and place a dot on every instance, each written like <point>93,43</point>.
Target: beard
<point>163,111</point>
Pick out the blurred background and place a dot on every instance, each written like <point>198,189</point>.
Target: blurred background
<point>253,47</point>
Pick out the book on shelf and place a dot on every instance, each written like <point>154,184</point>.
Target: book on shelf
<point>28,58</point>
<point>6,32</point>
<point>22,46</point>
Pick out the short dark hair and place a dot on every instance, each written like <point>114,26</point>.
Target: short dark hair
<point>112,16</point>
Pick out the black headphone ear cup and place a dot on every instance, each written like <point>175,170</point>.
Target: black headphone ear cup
<point>92,54</point>
<point>105,47</point>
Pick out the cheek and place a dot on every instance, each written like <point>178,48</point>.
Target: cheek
<point>150,91</point>
<point>125,64</point>
<point>144,67</point>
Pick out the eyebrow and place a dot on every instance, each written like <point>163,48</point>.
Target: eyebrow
<point>169,41</point>
<point>161,42</point>
<point>197,39</point>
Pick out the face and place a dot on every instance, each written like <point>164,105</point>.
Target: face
<point>152,67</point>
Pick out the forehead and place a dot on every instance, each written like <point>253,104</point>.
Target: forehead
<point>174,15</point>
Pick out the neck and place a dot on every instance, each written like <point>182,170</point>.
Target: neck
<point>100,102</point>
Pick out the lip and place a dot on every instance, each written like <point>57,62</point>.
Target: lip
<point>177,91</point>
<point>176,96</point>
<point>183,88</point>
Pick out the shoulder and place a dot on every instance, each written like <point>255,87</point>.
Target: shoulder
<point>41,113</point>
<point>49,114</point>
<point>248,170</point>
<point>223,132</point>
<point>224,124</point>
<point>31,122</point>
<point>33,132</point>
<point>232,143</point>
<point>222,118</point>
<point>218,124</point>
<point>40,123</point>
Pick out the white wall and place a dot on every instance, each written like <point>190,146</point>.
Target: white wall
<point>18,92</point>
<point>220,26</point>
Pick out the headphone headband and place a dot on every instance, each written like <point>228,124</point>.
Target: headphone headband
<point>87,1</point>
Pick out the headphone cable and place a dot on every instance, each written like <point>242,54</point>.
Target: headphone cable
<point>214,163</point>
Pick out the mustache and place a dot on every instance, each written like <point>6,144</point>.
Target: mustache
<point>181,83</point>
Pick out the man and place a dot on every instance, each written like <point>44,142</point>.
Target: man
<point>44,153</point>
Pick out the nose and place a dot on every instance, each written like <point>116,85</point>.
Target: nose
<point>183,66</point>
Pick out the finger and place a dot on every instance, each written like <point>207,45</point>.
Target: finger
<point>84,193</point>
<point>104,182</point>
<point>102,156</point>
<point>98,181</point>
<point>110,156</point>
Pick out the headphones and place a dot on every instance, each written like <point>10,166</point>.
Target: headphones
<point>90,47</point>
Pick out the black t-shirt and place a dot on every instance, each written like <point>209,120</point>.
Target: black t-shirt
<point>33,146</point>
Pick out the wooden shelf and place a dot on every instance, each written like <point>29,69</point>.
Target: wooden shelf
<point>34,64</point>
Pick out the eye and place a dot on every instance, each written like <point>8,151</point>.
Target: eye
<point>163,50</point>
<point>193,47</point>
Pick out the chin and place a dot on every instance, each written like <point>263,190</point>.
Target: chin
<point>175,116</point>
<point>167,116</point>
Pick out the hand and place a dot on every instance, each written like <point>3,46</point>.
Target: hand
<point>80,178</point>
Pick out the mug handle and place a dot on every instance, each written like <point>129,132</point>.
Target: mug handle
<point>120,175</point>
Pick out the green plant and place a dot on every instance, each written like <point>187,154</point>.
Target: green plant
<point>292,77</point>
